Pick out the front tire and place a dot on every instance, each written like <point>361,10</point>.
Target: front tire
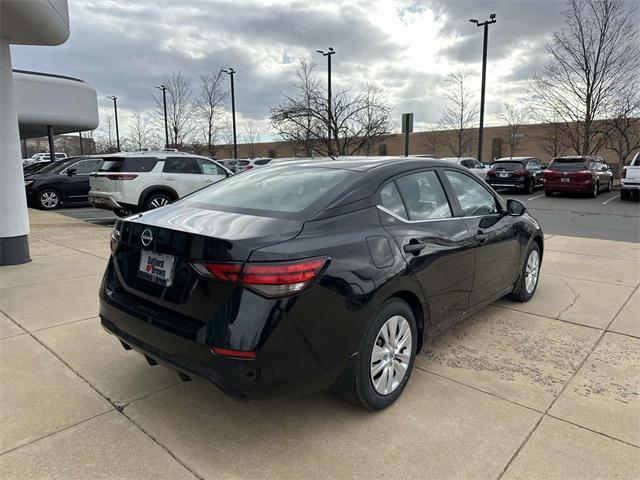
<point>528,281</point>
<point>386,356</point>
<point>48,199</point>
<point>610,185</point>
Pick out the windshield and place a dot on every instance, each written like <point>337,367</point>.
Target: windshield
<point>568,164</point>
<point>278,189</point>
<point>507,166</point>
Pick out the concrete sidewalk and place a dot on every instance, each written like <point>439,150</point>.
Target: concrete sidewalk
<point>545,389</point>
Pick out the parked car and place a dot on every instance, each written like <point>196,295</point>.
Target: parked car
<point>316,275</point>
<point>630,179</point>
<point>251,163</point>
<point>229,164</point>
<point>471,163</point>
<point>139,181</point>
<point>578,174</point>
<point>43,157</point>
<point>60,182</point>
<point>523,173</point>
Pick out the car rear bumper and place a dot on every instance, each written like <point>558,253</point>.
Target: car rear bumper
<point>554,186</point>
<point>515,182</point>
<point>104,200</point>
<point>629,186</point>
<point>287,360</point>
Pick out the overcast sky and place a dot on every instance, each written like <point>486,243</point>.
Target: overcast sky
<point>122,47</point>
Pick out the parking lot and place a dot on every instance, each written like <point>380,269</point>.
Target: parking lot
<point>544,389</point>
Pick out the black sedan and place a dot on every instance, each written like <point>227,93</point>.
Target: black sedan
<point>60,182</point>
<point>316,275</point>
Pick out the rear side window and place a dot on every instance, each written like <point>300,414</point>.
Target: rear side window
<point>568,164</point>
<point>242,163</point>
<point>181,165</point>
<point>391,199</point>
<point>473,198</point>
<point>423,196</point>
<point>262,162</point>
<point>271,190</point>
<point>128,164</point>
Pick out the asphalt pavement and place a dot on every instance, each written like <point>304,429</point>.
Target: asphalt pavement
<point>605,217</point>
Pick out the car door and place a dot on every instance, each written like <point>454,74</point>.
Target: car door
<point>496,239</point>
<point>182,174</point>
<point>76,186</point>
<point>437,247</point>
<point>211,171</point>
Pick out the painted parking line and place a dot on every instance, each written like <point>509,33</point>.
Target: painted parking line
<point>537,196</point>
<point>612,198</point>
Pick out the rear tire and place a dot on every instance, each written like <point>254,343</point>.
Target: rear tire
<point>596,189</point>
<point>156,200</point>
<point>385,358</point>
<point>548,193</point>
<point>625,195</point>
<point>528,281</point>
<point>48,199</point>
<point>529,187</point>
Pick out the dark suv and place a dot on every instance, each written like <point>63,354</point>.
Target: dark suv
<point>60,182</point>
<point>523,173</point>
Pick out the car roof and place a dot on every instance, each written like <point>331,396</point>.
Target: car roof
<point>364,164</point>
<point>159,154</point>
<point>578,157</point>
<point>513,159</point>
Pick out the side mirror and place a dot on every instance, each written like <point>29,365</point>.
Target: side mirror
<point>515,208</point>
<point>71,172</point>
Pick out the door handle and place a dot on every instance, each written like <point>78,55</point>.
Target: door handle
<point>481,237</point>
<point>414,247</point>
<point>169,178</point>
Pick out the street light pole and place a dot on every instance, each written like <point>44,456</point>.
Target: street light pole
<point>115,109</point>
<point>485,25</point>
<point>230,71</point>
<point>328,54</point>
<point>164,103</point>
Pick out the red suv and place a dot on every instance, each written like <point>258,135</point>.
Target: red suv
<point>578,174</point>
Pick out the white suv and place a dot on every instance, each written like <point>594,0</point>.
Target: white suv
<point>139,181</point>
<point>251,163</point>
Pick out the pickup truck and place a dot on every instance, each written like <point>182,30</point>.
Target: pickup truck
<point>630,181</point>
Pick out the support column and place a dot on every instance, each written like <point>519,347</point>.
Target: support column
<point>52,147</point>
<point>14,219</point>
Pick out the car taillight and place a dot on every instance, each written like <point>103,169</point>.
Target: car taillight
<point>491,173</point>
<point>270,279</point>
<point>227,352</point>
<point>624,173</point>
<point>584,174</point>
<point>249,167</point>
<point>121,176</point>
<point>520,173</point>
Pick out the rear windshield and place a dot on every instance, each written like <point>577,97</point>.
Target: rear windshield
<point>507,166</point>
<point>128,164</point>
<point>264,191</point>
<point>568,164</point>
<point>262,162</point>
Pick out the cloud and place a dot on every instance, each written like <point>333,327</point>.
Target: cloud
<point>122,48</point>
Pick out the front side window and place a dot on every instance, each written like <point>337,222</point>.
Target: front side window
<point>473,198</point>
<point>211,168</point>
<point>423,196</point>
<point>181,165</point>
<point>85,166</point>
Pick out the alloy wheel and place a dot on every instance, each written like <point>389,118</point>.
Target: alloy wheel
<point>49,199</point>
<point>158,202</point>
<point>532,271</point>
<point>391,355</point>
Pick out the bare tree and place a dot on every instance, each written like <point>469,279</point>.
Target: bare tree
<point>431,140</point>
<point>225,133</point>
<point>356,120</point>
<point>106,135</point>
<point>250,139</point>
<point>180,108</point>
<point>552,138</point>
<point>593,57</point>
<point>623,127</point>
<point>210,108</point>
<point>514,118</point>
<point>140,134</point>
<point>459,115</point>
